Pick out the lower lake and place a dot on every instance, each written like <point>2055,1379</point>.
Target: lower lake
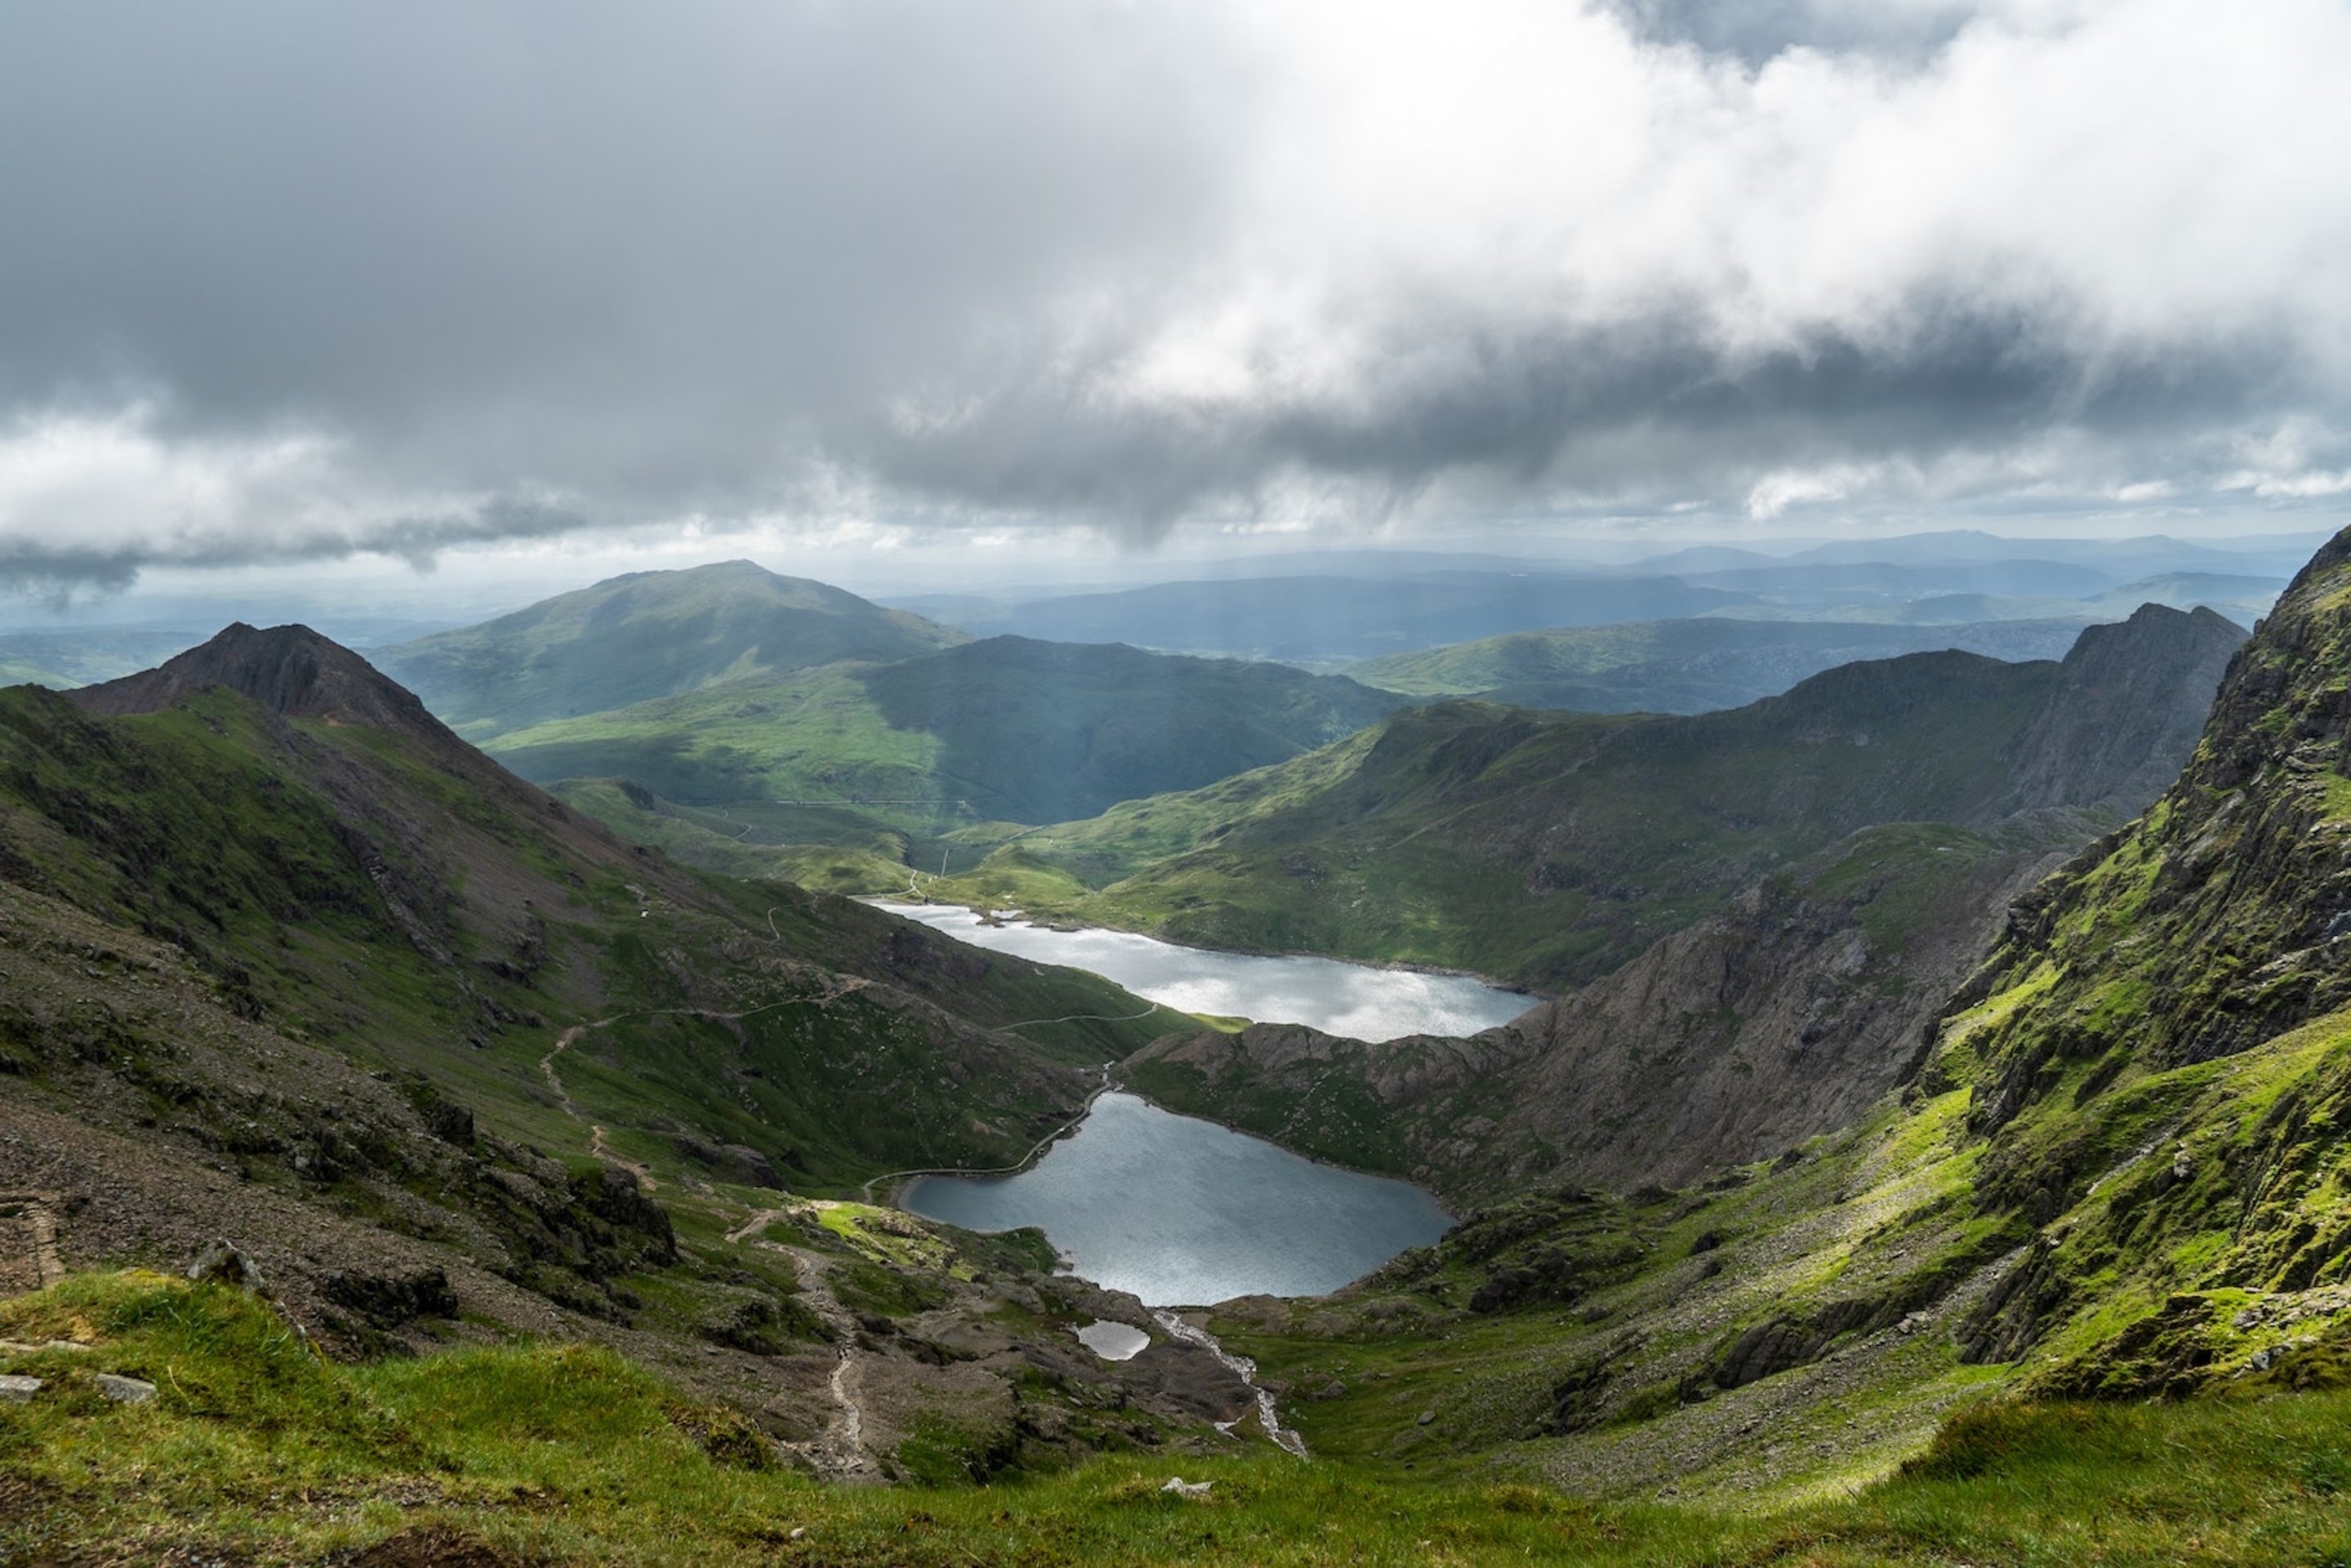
<point>1183,1212</point>
<point>1359,1001</point>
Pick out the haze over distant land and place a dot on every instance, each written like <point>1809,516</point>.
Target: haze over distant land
<point>908,296</point>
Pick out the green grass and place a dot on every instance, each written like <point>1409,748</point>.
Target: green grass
<point>256,1448</point>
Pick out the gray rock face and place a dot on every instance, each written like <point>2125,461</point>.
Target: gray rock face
<point>19,1390</point>
<point>289,670</point>
<point>2129,712</point>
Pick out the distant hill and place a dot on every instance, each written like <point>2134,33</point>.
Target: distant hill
<point>1007,729</point>
<point>646,635</point>
<point>1548,848</point>
<point>1350,611</point>
<point>1327,620</point>
<point>1684,666</point>
<point>61,659</point>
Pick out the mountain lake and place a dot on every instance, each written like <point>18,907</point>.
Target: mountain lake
<point>1360,1002</point>
<point>1183,1212</point>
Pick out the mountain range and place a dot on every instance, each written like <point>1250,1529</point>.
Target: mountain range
<point>1548,848</point>
<point>1866,1199</point>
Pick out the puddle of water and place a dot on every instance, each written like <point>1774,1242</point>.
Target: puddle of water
<point>1113,1341</point>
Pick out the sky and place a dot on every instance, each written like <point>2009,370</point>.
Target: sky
<point>461,292</point>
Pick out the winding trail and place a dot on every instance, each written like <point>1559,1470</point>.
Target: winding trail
<point>839,1453</point>
<point>597,1145</point>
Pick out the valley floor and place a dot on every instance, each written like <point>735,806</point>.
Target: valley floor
<point>254,1451</point>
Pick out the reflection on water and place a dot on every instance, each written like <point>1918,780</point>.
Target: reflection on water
<point>1113,1341</point>
<point>1182,1211</point>
<point>1356,1000</point>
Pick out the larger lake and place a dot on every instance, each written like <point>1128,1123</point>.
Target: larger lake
<point>1183,1212</point>
<point>1356,1000</point>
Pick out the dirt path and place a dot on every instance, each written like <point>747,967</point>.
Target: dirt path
<point>840,1454</point>
<point>759,1221</point>
<point>597,1145</point>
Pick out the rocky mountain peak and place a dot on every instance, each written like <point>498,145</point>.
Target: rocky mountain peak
<point>292,671</point>
<point>2130,700</point>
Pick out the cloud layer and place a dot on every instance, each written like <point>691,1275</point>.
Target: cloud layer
<point>287,280</point>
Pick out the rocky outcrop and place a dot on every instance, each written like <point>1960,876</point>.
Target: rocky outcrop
<point>2215,922</point>
<point>2133,701</point>
<point>1548,849</point>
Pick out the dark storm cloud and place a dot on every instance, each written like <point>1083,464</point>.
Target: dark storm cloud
<point>286,280</point>
<point>1644,412</point>
<point>1753,31</point>
<point>612,241</point>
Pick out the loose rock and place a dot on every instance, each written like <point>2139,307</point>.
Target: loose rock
<point>19,1389</point>
<point>125,1390</point>
<point>220,1263</point>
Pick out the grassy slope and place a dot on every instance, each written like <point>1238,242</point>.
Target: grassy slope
<point>828,852</point>
<point>256,1449</point>
<point>645,635</point>
<point>1002,730</point>
<point>342,883</point>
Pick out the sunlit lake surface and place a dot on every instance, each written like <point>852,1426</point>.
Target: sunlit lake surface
<point>1183,1212</point>
<point>1357,1000</point>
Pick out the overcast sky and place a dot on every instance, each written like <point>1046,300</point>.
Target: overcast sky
<point>284,282</point>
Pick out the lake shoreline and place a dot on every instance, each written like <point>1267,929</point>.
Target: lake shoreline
<point>900,1180</point>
